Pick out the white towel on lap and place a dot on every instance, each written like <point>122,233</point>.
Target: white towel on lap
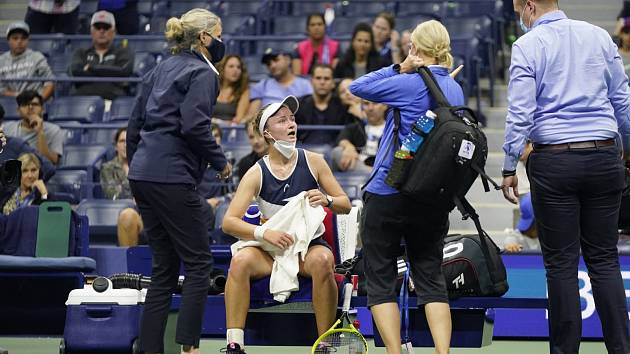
<point>300,220</point>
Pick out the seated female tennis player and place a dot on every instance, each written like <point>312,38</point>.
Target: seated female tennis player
<point>283,173</point>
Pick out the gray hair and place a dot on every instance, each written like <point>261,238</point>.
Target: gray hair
<point>183,33</point>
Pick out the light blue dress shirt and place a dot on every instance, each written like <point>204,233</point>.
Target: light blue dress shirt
<point>567,84</point>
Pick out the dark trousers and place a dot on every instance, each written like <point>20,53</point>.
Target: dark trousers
<point>576,196</point>
<point>177,233</point>
<point>385,221</point>
<point>43,23</point>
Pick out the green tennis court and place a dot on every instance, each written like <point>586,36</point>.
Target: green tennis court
<point>29,345</point>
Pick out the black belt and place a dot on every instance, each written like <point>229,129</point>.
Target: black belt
<point>578,145</point>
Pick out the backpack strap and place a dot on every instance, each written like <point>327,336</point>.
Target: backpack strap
<point>434,88</point>
<point>468,211</point>
<point>392,146</point>
<point>485,178</point>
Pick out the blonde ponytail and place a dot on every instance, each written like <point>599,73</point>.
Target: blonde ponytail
<point>431,39</point>
<point>183,33</point>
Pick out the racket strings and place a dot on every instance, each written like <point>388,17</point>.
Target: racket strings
<point>342,343</point>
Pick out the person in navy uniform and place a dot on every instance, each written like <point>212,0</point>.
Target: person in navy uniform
<point>284,173</point>
<point>169,146</point>
<point>569,95</point>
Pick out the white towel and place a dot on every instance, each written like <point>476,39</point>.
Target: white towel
<point>300,220</point>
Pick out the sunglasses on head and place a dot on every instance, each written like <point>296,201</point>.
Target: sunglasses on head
<point>102,26</point>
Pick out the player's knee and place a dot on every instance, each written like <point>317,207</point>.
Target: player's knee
<point>322,265</point>
<point>241,264</point>
<point>128,218</point>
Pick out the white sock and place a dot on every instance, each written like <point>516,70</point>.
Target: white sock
<point>236,335</point>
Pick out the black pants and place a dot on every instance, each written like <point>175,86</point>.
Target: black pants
<point>576,196</point>
<point>177,233</point>
<point>43,23</point>
<point>386,220</point>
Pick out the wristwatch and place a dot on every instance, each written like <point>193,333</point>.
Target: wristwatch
<point>506,173</point>
<point>396,68</point>
<point>330,201</point>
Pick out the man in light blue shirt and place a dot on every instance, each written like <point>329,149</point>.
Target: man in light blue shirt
<point>281,84</point>
<point>569,95</point>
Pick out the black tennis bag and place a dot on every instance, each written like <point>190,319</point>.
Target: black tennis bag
<point>472,264</point>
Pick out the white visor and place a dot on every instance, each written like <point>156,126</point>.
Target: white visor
<point>290,102</point>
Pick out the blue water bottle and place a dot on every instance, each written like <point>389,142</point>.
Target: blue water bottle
<point>423,126</point>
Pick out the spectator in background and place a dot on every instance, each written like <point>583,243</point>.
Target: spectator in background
<point>14,147</point>
<point>125,13</point>
<point>260,147</point>
<point>102,59</point>
<point>46,137</point>
<point>20,61</point>
<point>405,42</point>
<point>53,16</point>
<point>358,142</point>
<point>386,38</point>
<point>321,108</point>
<point>281,84</point>
<point>32,190</point>
<point>233,101</point>
<point>362,57</point>
<point>350,101</point>
<point>116,186</point>
<point>526,235</point>
<point>316,49</point>
<point>624,46</point>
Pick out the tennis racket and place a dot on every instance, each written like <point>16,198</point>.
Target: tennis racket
<point>342,337</point>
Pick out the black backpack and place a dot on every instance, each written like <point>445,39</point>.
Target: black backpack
<point>451,157</point>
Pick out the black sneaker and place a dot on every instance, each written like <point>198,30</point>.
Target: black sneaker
<point>232,348</point>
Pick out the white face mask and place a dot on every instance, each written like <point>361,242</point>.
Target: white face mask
<point>286,148</point>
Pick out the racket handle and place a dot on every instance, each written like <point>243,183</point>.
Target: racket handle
<point>347,296</point>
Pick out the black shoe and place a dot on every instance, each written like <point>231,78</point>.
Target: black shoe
<point>232,348</point>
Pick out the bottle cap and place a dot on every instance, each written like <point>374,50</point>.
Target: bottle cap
<point>356,324</point>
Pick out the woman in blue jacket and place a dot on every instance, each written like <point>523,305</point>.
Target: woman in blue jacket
<point>169,146</point>
<point>389,215</point>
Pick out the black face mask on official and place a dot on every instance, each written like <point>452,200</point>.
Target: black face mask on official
<point>216,48</point>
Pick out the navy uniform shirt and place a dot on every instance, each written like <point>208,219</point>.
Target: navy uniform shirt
<point>169,138</point>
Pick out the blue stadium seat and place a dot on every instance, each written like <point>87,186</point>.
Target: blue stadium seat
<point>10,108</point>
<point>473,8</point>
<point>103,217</point>
<point>143,63</point>
<point>4,46</point>
<point>68,185</point>
<point>88,7</point>
<point>351,182</point>
<point>467,48</point>
<point>101,136</point>
<point>436,9</point>
<point>283,25</point>
<point>410,22</point>
<point>82,156</point>
<point>145,7</point>
<point>120,109</point>
<point>235,153</point>
<point>84,109</point>
<point>59,64</point>
<point>345,25</point>
<point>302,8</point>
<point>240,24</point>
<point>236,7</point>
<point>154,46</point>
<point>256,70</point>
<point>48,47</point>
<point>364,8</point>
<point>180,7</point>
